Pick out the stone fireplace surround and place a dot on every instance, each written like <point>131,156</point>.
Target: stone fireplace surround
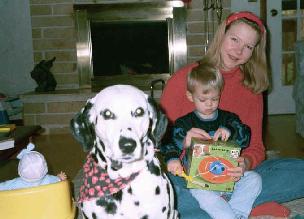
<point>53,32</point>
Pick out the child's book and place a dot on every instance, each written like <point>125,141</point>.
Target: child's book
<point>208,164</point>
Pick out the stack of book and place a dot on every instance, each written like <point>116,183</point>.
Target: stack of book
<point>7,140</point>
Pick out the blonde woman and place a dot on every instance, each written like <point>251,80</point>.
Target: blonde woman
<point>238,50</point>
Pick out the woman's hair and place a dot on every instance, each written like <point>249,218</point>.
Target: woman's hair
<point>205,75</point>
<point>255,70</point>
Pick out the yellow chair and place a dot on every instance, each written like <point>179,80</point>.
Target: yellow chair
<point>52,201</point>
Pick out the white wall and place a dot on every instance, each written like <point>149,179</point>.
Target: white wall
<point>16,50</point>
<point>242,5</point>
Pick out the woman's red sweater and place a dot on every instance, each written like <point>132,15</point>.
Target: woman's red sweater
<point>235,98</point>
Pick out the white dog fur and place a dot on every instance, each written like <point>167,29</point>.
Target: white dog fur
<point>120,127</point>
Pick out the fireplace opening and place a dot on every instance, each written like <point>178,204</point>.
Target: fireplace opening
<point>129,43</point>
<point>129,48</point>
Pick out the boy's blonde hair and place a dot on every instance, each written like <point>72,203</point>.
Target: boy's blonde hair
<point>205,75</point>
<point>255,70</point>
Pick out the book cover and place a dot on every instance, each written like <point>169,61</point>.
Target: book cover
<point>208,164</point>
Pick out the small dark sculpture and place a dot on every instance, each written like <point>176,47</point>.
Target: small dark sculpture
<point>42,75</point>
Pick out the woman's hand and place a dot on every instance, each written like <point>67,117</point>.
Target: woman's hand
<point>175,167</point>
<point>237,172</point>
<point>195,133</point>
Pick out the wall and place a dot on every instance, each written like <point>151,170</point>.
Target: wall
<point>54,35</point>
<point>16,52</point>
<point>196,27</point>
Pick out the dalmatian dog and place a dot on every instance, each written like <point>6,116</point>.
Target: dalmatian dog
<point>120,128</point>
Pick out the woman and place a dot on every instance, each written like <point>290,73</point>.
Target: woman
<point>238,50</point>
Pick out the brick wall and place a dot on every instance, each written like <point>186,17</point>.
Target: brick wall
<point>53,31</point>
<point>53,111</point>
<point>53,34</point>
<point>196,35</point>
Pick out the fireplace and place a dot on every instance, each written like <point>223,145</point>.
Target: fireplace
<point>129,43</point>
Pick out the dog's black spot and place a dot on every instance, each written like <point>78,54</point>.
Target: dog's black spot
<point>164,209</point>
<point>136,203</point>
<point>109,206</point>
<point>168,192</point>
<point>147,151</point>
<point>118,195</point>
<point>94,215</point>
<point>130,190</point>
<point>168,189</point>
<point>94,158</point>
<point>168,214</point>
<point>150,134</point>
<point>145,217</point>
<point>102,144</point>
<point>98,153</point>
<point>154,169</point>
<point>157,190</point>
<point>130,129</point>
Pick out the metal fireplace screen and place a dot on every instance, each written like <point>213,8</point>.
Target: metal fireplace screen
<point>130,43</point>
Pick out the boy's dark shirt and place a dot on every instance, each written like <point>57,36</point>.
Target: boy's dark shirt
<point>240,133</point>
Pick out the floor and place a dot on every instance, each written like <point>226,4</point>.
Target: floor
<point>280,136</point>
<point>63,153</point>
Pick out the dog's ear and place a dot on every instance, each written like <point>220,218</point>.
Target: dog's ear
<point>82,127</point>
<point>158,119</point>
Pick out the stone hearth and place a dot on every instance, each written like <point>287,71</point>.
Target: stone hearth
<point>54,110</point>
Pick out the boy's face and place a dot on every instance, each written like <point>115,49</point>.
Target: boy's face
<point>205,103</point>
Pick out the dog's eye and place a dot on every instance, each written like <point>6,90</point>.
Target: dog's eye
<point>107,114</point>
<point>139,112</point>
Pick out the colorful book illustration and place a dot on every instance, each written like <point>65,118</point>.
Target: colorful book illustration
<point>208,164</point>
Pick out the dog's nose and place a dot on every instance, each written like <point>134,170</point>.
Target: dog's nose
<point>127,145</point>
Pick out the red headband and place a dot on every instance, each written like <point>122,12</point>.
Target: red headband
<point>248,15</point>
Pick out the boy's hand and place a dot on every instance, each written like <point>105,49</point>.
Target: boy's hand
<point>222,133</point>
<point>195,133</point>
<point>175,167</point>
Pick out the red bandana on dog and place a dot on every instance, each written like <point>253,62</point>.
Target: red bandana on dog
<point>97,183</point>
